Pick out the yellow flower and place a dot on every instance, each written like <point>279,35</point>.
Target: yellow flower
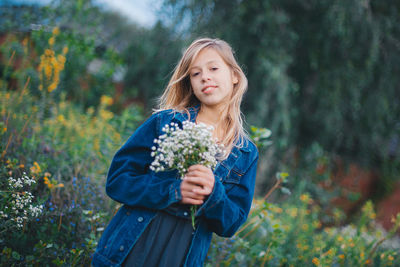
<point>60,185</point>
<point>61,59</point>
<point>278,210</point>
<point>315,261</point>
<point>305,198</point>
<point>390,257</point>
<point>106,100</point>
<point>48,52</point>
<point>48,71</point>
<point>35,168</point>
<point>65,50</point>
<point>341,256</point>
<point>90,110</point>
<point>96,144</point>
<point>56,30</point>
<point>362,254</point>
<point>51,41</point>
<point>105,114</point>
<point>52,87</point>
<point>7,96</point>
<point>61,118</point>
<point>340,238</point>
<point>368,261</point>
<point>293,212</point>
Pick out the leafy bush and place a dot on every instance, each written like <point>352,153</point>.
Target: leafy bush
<point>67,155</point>
<point>54,157</point>
<point>293,234</point>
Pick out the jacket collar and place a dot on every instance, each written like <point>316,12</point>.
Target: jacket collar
<point>194,111</point>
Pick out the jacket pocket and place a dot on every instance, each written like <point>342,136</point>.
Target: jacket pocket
<point>232,179</point>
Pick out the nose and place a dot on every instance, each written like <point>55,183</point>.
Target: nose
<point>205,76</point>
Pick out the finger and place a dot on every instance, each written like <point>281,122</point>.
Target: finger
<point>199,167</point>
<point>199,181</point>
<point>196,173</point>
<point>193,195</point>
<point>202,191</point>
<point>192,201</point>
<point>188,184</point>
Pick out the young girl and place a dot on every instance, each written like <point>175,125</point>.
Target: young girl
<point>153,227</point>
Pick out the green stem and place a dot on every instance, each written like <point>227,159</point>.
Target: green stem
<point>193,210</point>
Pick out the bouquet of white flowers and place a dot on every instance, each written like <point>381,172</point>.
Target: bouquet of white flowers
<point>181,148</point>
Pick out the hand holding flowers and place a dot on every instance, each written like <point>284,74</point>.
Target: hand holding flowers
<point>193,152</point>
<point>197,185</point>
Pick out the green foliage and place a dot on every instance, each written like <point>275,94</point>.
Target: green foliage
<point>150,58</point>
<point>319,71</point>
<point>322,77</point>
<point>293,234</point>
<point>63,146</point>
<point>67,154</point>
<point>260,136</point>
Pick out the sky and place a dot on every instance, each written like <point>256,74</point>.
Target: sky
<point>140,11</point>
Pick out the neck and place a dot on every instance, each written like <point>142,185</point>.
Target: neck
<point>211,115</point>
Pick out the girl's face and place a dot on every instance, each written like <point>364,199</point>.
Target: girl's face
<point>211,78</point>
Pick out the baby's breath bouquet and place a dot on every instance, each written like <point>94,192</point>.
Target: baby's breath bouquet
<point>180,148</point>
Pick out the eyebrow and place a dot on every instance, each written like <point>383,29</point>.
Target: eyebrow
<point>208,62</point>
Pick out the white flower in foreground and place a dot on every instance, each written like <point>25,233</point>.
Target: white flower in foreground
<point>181,148</point>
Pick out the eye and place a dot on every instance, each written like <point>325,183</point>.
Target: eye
<point>214,68</point>
<point>195,74</point>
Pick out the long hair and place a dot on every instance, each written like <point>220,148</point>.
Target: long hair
<point>179,95</point>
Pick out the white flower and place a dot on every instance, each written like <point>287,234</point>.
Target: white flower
<point>180,148</point>
<point>20,199</point>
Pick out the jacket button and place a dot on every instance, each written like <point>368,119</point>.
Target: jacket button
<point>121,248</point>
<point>140,219</point>
<point>185,213</point>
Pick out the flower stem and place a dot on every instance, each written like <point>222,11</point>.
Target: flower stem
<point>193,210</point>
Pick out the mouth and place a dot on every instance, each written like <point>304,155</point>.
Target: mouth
<point>208,89</point>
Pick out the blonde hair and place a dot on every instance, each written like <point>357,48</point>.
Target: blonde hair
<point>179,95</point>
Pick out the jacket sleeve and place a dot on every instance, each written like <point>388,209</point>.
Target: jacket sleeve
<point>225,211</point>
<point>129,179</point>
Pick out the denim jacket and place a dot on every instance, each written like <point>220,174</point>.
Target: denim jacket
<point>143,192</point>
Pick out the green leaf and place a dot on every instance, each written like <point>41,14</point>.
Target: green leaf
<point>15,255</point>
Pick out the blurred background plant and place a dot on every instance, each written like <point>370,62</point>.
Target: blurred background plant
<point>76,79</point>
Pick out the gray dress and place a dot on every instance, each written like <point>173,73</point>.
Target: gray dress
<point>165,241</point>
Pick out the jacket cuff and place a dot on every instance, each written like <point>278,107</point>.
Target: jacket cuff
<point>175,192</point>
<point>213,199</point>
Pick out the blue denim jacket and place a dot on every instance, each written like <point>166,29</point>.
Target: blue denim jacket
<point>143,192</point>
